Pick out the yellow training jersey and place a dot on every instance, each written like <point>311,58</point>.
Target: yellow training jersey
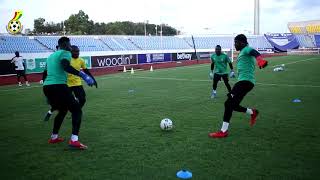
<point>77,64</point>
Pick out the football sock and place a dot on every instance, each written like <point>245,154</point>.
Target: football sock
<point>225,126</point>
<point>54,136</point>
<point>74,137</point>
<point>249,111</point>
<point>49,112</point>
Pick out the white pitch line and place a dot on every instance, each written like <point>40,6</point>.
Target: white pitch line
<point>290,85</point>
<point>294,62</point>
<point>20,88</point>
<point>202,80</point>
<point>179,79</point>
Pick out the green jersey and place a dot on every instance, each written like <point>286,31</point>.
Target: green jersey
<point>246,65</point>
<point>220,63</point>
<point>55,71</point>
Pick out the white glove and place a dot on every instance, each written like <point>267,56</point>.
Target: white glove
<point>232,74</point>
<point>211,75</point>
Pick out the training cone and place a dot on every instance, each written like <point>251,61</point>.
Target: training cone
<point>132,71</point>
<point>296,101</point>
<point>184,174</point>
<point>124,69</point>
<point>151,69</point>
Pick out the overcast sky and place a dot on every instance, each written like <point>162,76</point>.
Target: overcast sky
<point>189,16</point>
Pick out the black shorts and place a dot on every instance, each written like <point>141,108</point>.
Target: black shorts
<point>20,72</point>
<point>217,77</point>
<point>59,96</point>
<point>78,92</point>
<point>241,89</point>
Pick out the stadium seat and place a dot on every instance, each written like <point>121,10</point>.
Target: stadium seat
<point>85,43</point>
<point>159,43</point>
<point>306,40</point>
<point>210,42</point>
<point>10,44</point>
<point>119,43</point>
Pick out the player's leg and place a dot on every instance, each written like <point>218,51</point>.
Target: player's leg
<point>238,92</point>
<point>48,114</point>
<point>246,87</point>
<point>216,79</point>
<point>228,109</point>
<point>62,112</point>
<point>80,94</point>
<point>226,82</point>
<point>232,103</point>
<point>76,114</point>
<point>25,78</point>
<point>19,77</point>
<point>55,96</point>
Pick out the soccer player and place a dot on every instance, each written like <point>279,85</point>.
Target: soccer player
<point>59,95</point>
<point>20,68</point>
<point>246,80</point>
<point>219,70</point>
<point>74,82</point>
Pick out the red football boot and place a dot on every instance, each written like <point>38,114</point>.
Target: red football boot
<point>56,140</point>
<point>254,117</point>
<point>77,145</point>
<point>218,134</point>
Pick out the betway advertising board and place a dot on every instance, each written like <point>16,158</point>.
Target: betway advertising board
<point>183,56</point>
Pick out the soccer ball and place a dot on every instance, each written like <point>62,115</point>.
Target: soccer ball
<point>166,124</point>
<point>14,26</point>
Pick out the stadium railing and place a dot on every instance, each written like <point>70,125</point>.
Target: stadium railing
<point>304,51</point>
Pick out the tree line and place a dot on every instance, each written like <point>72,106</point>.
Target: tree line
<point>80,24</point>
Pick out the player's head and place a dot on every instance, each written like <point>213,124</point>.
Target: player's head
<point>75,51</point>
<point>218,50</point>
<point>240,41</point>
<point>64,43</point>
<point>17,53</point>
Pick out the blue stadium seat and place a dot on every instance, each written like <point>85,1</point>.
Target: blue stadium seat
<point>10,44</point>
<point>305,41</point>
<point>210,42</point>
<point>126,43</point>
<point>85,43</point>
<point>159,43</point>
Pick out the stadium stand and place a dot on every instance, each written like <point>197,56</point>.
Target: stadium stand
<point>312,29</point>
<point>317,40</point>
<point>306,32</point>
<point>210,42</point>
<point>296,29</point>
<point>85,43</point>
<point>259,42</point>
<point>227,42</point>
<point>306,40</point>
<point>10,44</point>
<point>119,43</point>
<point>157,42</point>
<point>38,44</point>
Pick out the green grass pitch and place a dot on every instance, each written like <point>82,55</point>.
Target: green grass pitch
<point>121,128</point>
